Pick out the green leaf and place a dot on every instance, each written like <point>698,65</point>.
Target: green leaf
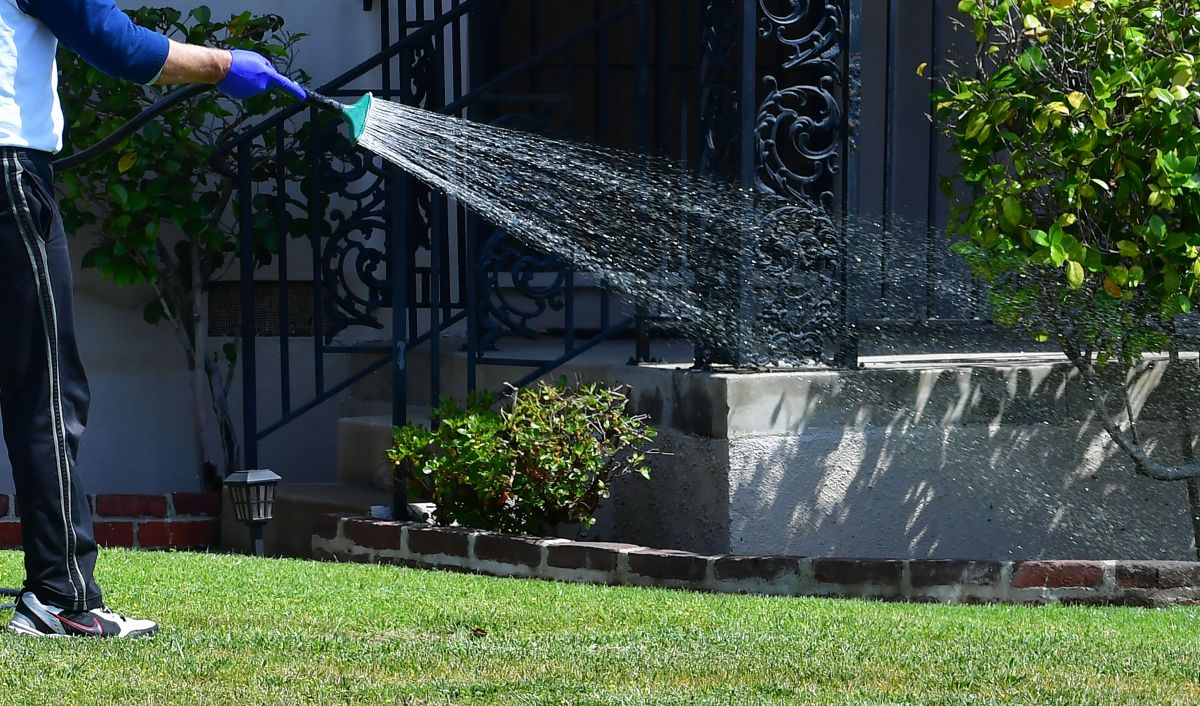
<point>1156,230</point>
<point>1012,213</point>
<point>1058,254</point>
<point>1128,248</point>
<point>1120,275</point>
<point>153,313</point>
<point>118,193</point>
<point>1074,274</point>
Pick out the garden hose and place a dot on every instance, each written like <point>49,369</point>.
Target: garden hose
<point>170,101</point>
<point>355,116</point>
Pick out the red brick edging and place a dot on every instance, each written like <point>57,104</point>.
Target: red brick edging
<point>341,537</point>
<point>164,521</point>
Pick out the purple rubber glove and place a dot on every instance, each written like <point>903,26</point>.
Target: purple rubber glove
<point>252,74</point>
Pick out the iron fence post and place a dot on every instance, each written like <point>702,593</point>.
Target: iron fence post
<point>847,353</point>
<point>249,319</point>
<point>398,269</point>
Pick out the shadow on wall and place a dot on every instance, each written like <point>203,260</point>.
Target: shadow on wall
<point>983,463</point>
<point>989,462</point>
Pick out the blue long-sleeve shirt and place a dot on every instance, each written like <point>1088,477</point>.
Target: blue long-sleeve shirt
<point>104,36</point>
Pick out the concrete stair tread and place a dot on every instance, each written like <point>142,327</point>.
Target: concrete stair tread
<point>417,415</point>
<point>362,443</point>
<point>334,495</point>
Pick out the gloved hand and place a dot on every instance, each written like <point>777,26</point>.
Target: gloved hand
<point>252,74</point>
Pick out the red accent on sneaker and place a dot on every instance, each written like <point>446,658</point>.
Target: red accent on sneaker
<point>96,629</point>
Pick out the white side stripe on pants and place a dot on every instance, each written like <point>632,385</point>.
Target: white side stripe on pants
<point>13,173</point>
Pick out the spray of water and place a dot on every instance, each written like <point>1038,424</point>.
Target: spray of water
<point>741,270</point>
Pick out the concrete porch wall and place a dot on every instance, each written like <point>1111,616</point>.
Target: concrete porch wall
<point>992,459</point>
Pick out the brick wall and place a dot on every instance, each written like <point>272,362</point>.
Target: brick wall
<point>341,537</point>
<point>168,521</point>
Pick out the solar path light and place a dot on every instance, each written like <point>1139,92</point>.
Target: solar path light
<point>253,494</point>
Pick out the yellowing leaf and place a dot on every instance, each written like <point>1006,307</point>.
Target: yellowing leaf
<point>1062,4</point>
<point>1074,274</point>
<point>921,69</point>
<point>1077,100</point>
<point>1128,248</point>
<point>1059,107</point>
<point>1112,288</point>
<point>127,161</point>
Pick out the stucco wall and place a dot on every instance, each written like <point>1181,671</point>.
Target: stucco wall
<point>341,34</point>
<point>1001,461</point>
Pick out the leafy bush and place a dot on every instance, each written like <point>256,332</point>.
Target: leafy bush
<point>154,207</point>
<point>547,458</point>
<point>1081,144</point>
<point>1078,138</point>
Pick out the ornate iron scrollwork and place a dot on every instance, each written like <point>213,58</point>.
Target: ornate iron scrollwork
<point>538,285</point>
<point>355,273</point>
<point>792,300</point>
<point>799,137</point>
<point>800,126</point>
<point>354,276</point>
<point>517,284</point>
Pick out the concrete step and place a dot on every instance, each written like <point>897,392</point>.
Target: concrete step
<point>371,394</point>
<point>362,442</point>
<point>296,508</point>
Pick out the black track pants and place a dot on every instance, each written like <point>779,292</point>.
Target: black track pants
<point>43,389</point>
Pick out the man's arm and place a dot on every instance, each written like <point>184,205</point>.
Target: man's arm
<point>106,38</point>
<point>188,63</point>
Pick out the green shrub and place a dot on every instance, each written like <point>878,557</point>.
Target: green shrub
<point>1078,136</point>
<point>546,458</point>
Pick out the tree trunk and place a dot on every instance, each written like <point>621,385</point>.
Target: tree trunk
<point>219,394</point>
<point>199,323</point>
<point>1186,450</point>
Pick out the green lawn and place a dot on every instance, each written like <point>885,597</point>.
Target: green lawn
<point>246,631</point>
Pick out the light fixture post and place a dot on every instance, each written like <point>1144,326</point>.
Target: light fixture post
<point>253,496</point>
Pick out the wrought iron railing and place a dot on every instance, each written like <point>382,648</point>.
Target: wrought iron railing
<point>802,98</point>
<point>384,254</point>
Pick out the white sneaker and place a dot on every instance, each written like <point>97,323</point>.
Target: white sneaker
<point>37,619</point>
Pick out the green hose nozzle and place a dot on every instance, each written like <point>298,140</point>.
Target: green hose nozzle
<point>354,115</point>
